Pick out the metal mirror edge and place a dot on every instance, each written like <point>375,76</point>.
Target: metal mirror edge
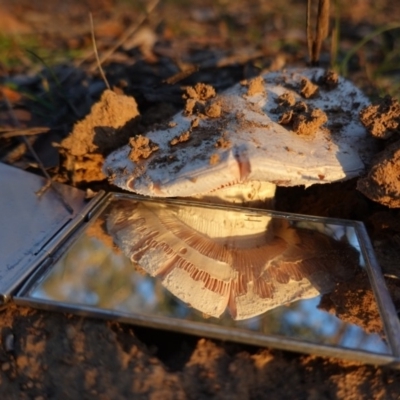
<point>385,303</point>
<point>217,332</point>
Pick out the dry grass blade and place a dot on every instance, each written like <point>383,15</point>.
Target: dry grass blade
<point>310,35</point>
<point>96,52</point>
<point>9,133</point>
<point>314,40</point>
<point>127,35</point>
<point>322,26</point>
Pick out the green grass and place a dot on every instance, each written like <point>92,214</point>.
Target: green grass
<point>383,74</point>
<point>14,52</point>
<point>11,50</point>
<point>343,66</point>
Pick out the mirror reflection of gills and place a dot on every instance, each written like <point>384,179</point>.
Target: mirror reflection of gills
<point>217,260</point>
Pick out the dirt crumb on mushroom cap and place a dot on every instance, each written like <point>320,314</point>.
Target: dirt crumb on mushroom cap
<point>223,143</point>
<point>194,123</point>
<point>308,89</point>
<point>330,80</point>
<point>197,98</point>
<point>183,137</point>
<point>142,147</point>
<point>214,159</point>
<point>213,110</point>
<point>308,123</point>
<point>255,86</point>
<point>301,118</point>
<point>382,120</point>
<point>286,99</point>
<point>200,91</point>
<point>286,118</point>
<point>189,106</point>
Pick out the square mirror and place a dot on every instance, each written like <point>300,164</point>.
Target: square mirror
<point>259,277</point>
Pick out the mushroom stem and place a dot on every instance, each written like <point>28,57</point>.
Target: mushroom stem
<point>251,194</point>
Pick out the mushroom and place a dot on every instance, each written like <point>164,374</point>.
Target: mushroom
<point>296,127</point>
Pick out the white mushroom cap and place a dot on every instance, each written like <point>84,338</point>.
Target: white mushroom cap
<point>246,142</point>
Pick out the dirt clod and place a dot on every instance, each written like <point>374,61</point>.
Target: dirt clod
<point>223,143</point>
<point>110,113</point>
<point>329,80</point>
<point>213,110</point>
<point>93,137</point>
<point>214,159</point>
<point>255,86</point>
<point>299,117</point>
<point>308,89</point>
<point>200,91</point>
<point>382,120</point>
<point>286,99</point>
<point>195,123</point>
<point>307,123</point>
<point>286,117</point>
<point>183,137</point>
<point>190,106</point>
<point>382,183</point>
<point>142,147</point>
<point>198,101</point>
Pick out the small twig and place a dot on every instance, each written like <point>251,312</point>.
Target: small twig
<point>172,80</point>
<point>96,53</point>
<point>9,133</point>
<point>16,153</point>
<point>37,158</point>
<point>127,34</point>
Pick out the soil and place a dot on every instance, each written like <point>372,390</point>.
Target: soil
<point>382,120</point>
<point>352,301</point>
<point>382,183</point>
<point>48,355</point>
<point>91,138</point>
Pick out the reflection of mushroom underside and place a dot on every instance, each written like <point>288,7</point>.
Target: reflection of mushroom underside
<point>216,263</point>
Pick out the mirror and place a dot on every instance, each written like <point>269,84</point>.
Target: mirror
<point>244,269</point>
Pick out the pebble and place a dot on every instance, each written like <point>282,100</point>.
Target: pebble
<point>9,343</point>
<point>5,366</point>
